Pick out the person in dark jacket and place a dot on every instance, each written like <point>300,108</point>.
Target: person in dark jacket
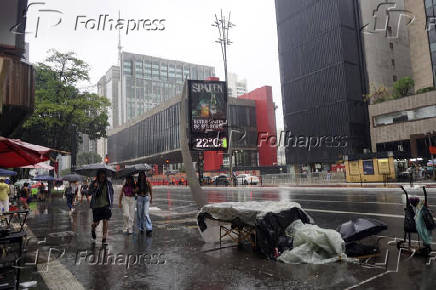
<point>102,194</point>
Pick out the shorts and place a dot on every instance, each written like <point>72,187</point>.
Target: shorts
<point>102,213</point>
<point>23,199</point>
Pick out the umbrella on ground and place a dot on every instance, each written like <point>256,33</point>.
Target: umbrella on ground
<point>91,170</point>
<point>4,172</point>
<point>72,177</point>
<point>360,228</point>
<point>16,153</point>
<point>44,178</point>
<point>133,170</point>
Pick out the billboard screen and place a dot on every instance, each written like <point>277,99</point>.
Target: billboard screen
<point>208,115</point>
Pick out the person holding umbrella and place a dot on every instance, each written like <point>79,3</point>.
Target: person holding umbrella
<point>127,203</point>
<point>102,194</point>
<point>143,201</point>
<point>70,193</point>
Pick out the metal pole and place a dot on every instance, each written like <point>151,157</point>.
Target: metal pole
<point>223,26</point>
<point>432,157</point>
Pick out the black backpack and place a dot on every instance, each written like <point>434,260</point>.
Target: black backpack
<point>409,216</point>
<point>69,190</point>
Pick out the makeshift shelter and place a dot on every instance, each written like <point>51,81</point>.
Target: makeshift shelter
<point>263,224</point>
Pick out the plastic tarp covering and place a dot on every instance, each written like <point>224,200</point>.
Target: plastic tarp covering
<point>270,219</point>
<point>313,245</point>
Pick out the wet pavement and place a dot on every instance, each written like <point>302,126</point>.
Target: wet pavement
<point>175,257</point>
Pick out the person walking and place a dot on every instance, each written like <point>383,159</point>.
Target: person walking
<point>84,191</point>
<point>127,203</point>
<point>69,195</point>
<point>143,201</point>
<point>4,196</point>
<point>102,194</point>
<point>25,195</point>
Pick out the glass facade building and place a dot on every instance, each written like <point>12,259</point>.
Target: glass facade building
<point>430,11</point>
<point>149,81</point>
<point>322,77</point>
<point>154,136</point>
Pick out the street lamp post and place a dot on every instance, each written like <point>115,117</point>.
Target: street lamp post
<point>223,25</point>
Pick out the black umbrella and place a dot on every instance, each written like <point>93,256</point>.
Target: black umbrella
<point>133,170</point>
<point>360,228</point>
<point>91,170</point>
<point>72,177</point>
<point>44,178</point>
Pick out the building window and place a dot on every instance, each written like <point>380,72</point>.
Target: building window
<point>405,116</point>
<point>394,78</point>
<point>393,62</point>
<point>391,45</point>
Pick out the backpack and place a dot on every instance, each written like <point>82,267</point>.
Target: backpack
<point>69,191</point>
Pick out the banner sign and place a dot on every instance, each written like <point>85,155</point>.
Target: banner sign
<point>383,166</point>
<point>208,115</point>
<point>368,167</point>
<point>354,167</point>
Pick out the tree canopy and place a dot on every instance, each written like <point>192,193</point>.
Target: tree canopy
<point>88,158</point>
<point>62,111</point>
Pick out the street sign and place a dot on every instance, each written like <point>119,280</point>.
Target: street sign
<point>208,115</point>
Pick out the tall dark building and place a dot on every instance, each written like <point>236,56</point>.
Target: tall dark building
<point>323,79</point>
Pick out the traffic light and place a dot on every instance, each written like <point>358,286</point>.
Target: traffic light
<point>167,161</point>
<point>106,159</point>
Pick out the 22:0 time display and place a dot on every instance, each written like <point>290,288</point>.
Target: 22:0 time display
<point>210,142</point>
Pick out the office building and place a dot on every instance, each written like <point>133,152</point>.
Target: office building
<point>144,83</point>
<point>322,70</point>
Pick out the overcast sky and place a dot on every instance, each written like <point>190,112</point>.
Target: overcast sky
<point>188,36</point>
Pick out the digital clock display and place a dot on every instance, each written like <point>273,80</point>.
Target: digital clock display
<point>212,143</point>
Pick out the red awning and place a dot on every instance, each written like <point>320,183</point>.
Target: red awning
<point>16,153</point>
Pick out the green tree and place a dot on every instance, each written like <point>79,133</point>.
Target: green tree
<point>88,158</point>
<point>62,111</point>
<point>402,87</point>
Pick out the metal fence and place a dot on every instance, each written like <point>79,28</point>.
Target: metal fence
<point>303,178</point>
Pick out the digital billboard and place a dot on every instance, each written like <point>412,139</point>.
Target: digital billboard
<point>208,115</point>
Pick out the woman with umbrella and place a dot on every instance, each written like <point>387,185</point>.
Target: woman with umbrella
<point>127,203</point>
<point>144,199</point>
<point>102,194</point>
